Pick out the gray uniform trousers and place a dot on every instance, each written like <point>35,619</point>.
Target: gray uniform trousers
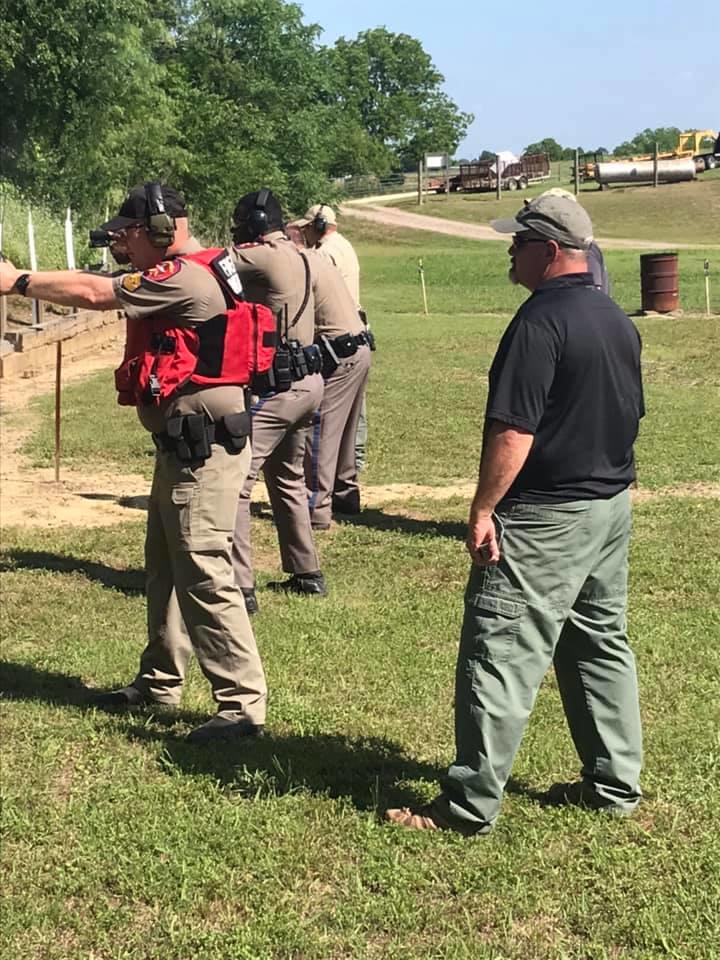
<point>558,595</point>
<point>193,602</point>
<point>330,452</point>
<point>280,425</point>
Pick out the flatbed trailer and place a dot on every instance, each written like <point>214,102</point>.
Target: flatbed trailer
<point>532,168</point>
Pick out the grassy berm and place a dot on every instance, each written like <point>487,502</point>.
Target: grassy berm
<point>122,842</point>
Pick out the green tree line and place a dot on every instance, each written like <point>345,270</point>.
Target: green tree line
<point>216,96</point>
<point>642,143</point>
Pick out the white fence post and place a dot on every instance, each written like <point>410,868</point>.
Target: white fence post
<point>36,304</point>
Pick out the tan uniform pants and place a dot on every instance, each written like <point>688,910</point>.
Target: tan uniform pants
<point>280,425</point>
<point>189,578</point>
<point>330,462</point>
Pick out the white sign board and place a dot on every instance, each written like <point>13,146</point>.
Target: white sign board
<point>435,161</point>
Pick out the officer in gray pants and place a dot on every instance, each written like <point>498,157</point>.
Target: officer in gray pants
<point>274,272</point>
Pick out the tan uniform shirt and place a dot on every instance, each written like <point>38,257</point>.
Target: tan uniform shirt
<point>186,294</point>
<point>273,273</point>
<point>335,311</point>
<point>336,248</point>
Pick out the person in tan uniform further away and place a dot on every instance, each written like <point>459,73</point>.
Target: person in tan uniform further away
<point>274,272</point>
<point>343,342</point>
<point>200,431</point>
<point>319,226</point>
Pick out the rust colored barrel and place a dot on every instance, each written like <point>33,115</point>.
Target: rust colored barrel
<point>659,282</point>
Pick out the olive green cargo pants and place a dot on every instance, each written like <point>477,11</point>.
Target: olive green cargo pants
<point>558,595</point>
<point>190,584</point>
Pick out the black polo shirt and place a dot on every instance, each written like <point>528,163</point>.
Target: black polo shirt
<point>568,370</point>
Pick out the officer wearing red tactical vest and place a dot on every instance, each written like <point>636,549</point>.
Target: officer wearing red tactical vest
<point>189,357</point>
<point>275,273</point>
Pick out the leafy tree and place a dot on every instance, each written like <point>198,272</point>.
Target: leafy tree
<point>217,96</point>
<point>487,155</point>
<point>549,146</point>
<point>388,84</point>
<point>84,105</point>
<point>644,142</point>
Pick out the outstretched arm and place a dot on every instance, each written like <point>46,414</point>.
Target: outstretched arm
<point>69,288</point>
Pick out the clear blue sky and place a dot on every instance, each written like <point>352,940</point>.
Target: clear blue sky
<point>589,73</point>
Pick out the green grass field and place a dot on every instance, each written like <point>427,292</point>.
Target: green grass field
<point>121,841</point>
<point>675,213</point>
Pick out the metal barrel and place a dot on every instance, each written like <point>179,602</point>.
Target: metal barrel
<point>643,171</point>
<point>659,282</point>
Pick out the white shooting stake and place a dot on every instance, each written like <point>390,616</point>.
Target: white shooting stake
<point>421,271</point>
<point>36,306</point>
<point>105,249</point>
<point>706,267</point>
<point>69,246</point>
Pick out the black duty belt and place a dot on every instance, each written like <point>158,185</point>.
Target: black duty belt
<point>292,362</point>
<point>346,345</point>
<point>191,437</point>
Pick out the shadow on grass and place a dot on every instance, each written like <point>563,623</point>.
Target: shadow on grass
<point>372,772</point>
<point>134,503</point>
<point>126,581</point>
<point>397,522</point>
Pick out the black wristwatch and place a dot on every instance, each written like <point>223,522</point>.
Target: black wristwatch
<point>21,284</point>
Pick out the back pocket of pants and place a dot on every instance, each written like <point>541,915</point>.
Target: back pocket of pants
<point>491,625</point>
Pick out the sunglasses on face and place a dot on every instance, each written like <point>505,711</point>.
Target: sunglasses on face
<point>519,240</point>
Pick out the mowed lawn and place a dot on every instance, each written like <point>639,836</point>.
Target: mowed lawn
<point>673,213</point>
<point>121,841</point>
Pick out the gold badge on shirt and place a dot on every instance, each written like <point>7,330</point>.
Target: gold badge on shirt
<point>131,281</point>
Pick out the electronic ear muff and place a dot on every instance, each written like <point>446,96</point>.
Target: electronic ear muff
<point>320,223</point>
<point>257,222</point>
<point>160,225</point>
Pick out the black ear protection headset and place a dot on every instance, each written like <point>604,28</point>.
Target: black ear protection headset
<point>319,222</point>
<point>257,219</point>
<point>160,225</point>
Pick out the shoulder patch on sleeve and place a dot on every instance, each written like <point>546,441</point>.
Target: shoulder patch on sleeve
<point>163,271</point>
<point>131,281</point>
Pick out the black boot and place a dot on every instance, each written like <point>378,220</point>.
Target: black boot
<point>251,604</point>
<point>305,584</point>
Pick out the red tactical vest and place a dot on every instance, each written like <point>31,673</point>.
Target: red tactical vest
<point>226,350</point>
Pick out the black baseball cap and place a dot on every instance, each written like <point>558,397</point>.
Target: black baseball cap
<point>134,208</point>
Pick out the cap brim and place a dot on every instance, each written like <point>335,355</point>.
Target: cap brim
<point>117,223</point>
<point>298,223</point>
<point>508,226</point>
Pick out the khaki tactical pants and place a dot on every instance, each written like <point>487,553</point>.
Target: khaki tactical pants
<point>558,595</point>
<point>330,453</point>
<point>190,584</point>
<point>280,425</point>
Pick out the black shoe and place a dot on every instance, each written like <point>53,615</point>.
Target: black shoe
<point>350,506</point>
<point>305,584</point>
<point>225,728</point>
<point>251,604</point>
<point>580,794</point>
<point>125,699</point>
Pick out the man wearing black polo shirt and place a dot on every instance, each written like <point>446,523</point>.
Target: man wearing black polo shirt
<point>548,534</point>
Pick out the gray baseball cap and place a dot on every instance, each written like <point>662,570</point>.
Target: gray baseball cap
<point>558,218</point>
